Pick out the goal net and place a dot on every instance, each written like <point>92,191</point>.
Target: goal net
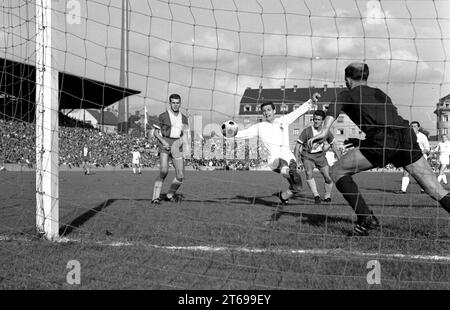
<point>82,88</point>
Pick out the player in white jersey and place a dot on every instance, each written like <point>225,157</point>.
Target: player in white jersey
<point>274,133</point>
<point>444,153</point>
<point>424,145</point>
<point>86,155</point>
<point>136,162</point>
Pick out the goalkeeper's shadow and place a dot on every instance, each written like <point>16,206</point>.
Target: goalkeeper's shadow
<point>313,219</point>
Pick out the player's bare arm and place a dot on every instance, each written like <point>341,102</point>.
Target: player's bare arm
<point>336,150</point>
<point>320,137</point>
<point>297,151</point>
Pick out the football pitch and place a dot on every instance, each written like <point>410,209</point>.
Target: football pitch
<point>215,238</point>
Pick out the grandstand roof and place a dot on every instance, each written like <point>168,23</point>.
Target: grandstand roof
<point>17,79</point>
<point>109,118</point>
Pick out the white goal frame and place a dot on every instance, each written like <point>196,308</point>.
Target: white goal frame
<point>47,148</point>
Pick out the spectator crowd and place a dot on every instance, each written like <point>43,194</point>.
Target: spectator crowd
<point>17,146</point>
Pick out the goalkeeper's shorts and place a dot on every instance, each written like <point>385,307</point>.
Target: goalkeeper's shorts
<point>386,145</point>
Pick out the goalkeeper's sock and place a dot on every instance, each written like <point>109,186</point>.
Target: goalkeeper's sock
<point>313,187</point>
<point>405,183</point>
<point>157,189</point>
<point>328,188</point>
<point>174,187</point>
<point>445,202</point>
<point>350,191</point>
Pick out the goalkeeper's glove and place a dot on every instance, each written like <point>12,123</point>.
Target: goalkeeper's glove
<point>352,142</point>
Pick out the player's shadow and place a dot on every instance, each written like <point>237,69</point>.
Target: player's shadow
<point>310,218</point>
<point>259,200</point>
<point>83,218</point>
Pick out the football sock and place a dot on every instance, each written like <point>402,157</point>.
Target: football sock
<point>174,187</point>
<point>134,170</point>
<point>157,189</point>
<point>287,194</point>
<point>444,177</point>
<point>328,188</point>
<point>349,190</point>
<point>293,173</point>
<point>445,202</point>
<point>439,178</point>
<point>313,187</point>
<point>405,183</point>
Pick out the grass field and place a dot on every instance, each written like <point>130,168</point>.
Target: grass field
<point>215,237</point>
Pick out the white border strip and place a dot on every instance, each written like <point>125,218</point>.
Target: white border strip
<point>205,248</point>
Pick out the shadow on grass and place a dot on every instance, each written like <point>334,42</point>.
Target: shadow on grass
<point>86,216</point>
<point>83,218</point>
<point>310,218</point>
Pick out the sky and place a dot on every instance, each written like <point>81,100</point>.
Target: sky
<point>210,51</point>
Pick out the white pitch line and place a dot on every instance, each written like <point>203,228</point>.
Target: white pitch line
<point>205,248</point>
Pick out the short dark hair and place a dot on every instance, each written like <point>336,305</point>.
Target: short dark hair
<point>174,96</point>
<point>415,122</point>
<point>267,103</point>
<point>357,71</point>
<point>319,113</point>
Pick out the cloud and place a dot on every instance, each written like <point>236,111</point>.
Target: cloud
<point>374,13</point>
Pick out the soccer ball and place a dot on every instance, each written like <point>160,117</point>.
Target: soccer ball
<point>229,129</point>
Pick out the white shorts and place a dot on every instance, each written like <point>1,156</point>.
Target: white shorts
<point>444,160</point>
<point>135,162</point>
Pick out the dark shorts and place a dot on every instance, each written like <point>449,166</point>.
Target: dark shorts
<point>391,146</point>
<point>318,160</point>
<point>85,158</point>
<point>175,150</point>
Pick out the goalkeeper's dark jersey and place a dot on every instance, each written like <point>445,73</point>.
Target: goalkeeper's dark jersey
<point>369,108</point>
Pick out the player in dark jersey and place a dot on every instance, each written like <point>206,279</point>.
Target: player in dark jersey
<point>173,142</point>
<point>389,139</point>
<point>315,157</point>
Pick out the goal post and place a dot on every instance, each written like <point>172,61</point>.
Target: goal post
<point>47,171</point>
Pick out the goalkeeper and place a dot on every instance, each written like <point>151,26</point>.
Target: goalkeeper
<point>389,139</point>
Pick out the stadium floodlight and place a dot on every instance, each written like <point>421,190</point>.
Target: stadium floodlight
<point>47,192</point>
